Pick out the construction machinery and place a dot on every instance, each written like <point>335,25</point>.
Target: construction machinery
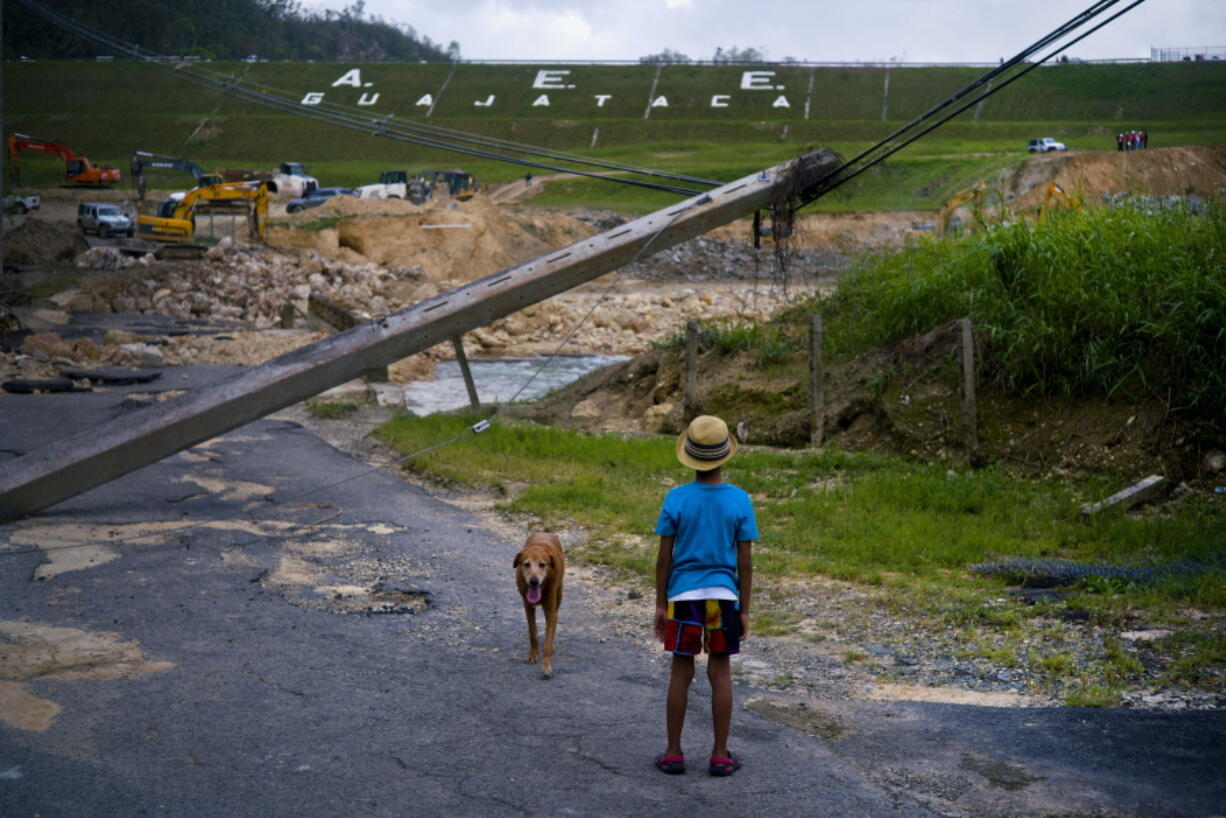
<point>142,160</point>
<point>972,195</point>
<point>1055,198</point>
<point>176,217</point>
<point>77,169</point>
<point>291,178</point>
<point>396,184</point>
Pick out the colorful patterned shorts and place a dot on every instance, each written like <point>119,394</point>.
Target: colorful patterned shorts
<point>698,624</point>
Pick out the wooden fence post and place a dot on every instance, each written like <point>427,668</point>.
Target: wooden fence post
<point>693,406</point>
<point>469,384</point>
<point>969,417</point>
<point>817,392</point>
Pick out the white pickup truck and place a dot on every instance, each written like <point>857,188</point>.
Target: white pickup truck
<point>21,205</point>
<point>1045,145</point>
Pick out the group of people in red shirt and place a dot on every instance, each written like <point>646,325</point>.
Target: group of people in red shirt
<point>1131,141</point>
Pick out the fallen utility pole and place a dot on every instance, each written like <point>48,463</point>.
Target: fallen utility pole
<point>76,464</point>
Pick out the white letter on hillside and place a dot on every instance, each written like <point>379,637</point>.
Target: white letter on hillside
<point>351,77</point>
<point>488,102</point>
<point>781,102</point>
<point>720,100</point>
<point>601,99</point>
<point>373,98</point>
<point>758,81</point>
<point>313,98</point>
<point>543,99</point>
<point>427,101</point>
<point>547,80</point>
<point>659,102</point>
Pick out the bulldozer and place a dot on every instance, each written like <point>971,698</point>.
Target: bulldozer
<point>77,169</point>
<point>156,161</point>
<point>175,221</point>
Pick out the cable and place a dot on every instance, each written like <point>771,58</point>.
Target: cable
<point>387,127</point>
<point>902,137</point>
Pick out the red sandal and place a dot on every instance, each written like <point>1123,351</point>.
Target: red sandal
<point>673,765</point>
<point>723,766</point>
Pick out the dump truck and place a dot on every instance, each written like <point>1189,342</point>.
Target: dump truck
<point>176,217</point>
<point>77,169</point>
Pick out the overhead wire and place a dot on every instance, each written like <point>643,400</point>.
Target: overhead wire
<point>925,123</point>
<point>388,127</point>
<point>903,136</point>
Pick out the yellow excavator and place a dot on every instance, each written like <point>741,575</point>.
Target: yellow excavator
<point>1055,197</point>
<point>975,195</point>
<point>176,217</point>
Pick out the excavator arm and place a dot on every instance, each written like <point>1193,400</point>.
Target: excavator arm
<point>156,161</point>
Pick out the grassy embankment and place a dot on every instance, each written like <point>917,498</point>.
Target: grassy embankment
<point>108,110</point>
<point>1059,314</point>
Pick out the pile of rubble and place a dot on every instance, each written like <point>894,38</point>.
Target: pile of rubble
<point>254,284</point>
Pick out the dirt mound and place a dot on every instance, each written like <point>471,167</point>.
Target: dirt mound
<point>456,241</point>
<point>1093,175</point>
<point>39,242</point>
<point>905,398</point>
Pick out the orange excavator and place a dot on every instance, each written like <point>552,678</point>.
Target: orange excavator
<point>77,169</point>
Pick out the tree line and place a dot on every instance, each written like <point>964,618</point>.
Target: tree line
<point>222,30</point>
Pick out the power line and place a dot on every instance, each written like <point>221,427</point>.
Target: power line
<point>389,127</point>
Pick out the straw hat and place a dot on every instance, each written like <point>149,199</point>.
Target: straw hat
<point>706,444</point>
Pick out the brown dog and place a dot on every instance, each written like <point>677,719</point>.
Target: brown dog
<point>539,568</point>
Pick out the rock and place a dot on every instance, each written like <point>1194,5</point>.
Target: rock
<point>48,344</point>
<point>388,394</point>
<point>145,354</point>
<point>1214,461</point>
<point>585,409</point>
<point>355,391</point>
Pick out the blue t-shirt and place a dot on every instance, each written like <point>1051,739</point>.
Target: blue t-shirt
<point>707,520</point>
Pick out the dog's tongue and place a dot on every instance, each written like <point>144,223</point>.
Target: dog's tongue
<point>534,595</point>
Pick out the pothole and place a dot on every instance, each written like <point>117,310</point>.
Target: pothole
<point>379,600</point>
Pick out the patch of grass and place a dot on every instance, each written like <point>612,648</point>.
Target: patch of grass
<point>772,623</point>
<point>1200,659</point>
<point>332,410</point>
<point>48,288</point>
<point>1059,664</point>
<point>1093,695</point>
<point>322,223</point>
<point>883,517</point>
<point>852,656</point>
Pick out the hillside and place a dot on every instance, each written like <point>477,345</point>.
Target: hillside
<point>720,122</point>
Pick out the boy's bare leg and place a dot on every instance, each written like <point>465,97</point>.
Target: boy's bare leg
<point>678,699</point>
<point>719,672</point>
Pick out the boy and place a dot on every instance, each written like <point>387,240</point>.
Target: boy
<point>704,575</point>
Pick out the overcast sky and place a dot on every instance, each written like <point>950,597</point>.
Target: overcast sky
<point>852,30</point>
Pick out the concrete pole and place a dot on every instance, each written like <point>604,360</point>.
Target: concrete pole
<point>691,403</point>
<point>970,421</point>
<point>817,391</point>
<point>458,345</point>
<point>76,464</point>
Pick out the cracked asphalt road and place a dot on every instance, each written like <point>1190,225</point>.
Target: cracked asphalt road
<point>281,701</point>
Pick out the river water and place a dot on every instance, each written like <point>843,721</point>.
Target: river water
<point>499,380</point>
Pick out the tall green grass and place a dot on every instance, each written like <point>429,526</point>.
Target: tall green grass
<point>1125,301</point>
